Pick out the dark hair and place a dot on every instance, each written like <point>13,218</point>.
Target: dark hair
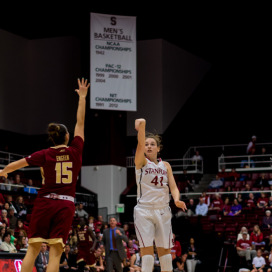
<point>56,133</point>
<point>5,235</point>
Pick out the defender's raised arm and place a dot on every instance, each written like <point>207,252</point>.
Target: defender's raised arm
<point>82,92</point>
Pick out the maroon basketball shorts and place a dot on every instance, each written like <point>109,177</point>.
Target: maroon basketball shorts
<point>85,255</point>
<point>51,220</point>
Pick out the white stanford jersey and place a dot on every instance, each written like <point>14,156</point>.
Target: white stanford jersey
<point>152,185</point>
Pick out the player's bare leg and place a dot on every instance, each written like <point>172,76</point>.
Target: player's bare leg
<point>54,257</point>
<point>147,254</point>
<point>165,258</point>
<point>30,257</point>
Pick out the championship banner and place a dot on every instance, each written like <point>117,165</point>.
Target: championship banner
<point>113,62</point>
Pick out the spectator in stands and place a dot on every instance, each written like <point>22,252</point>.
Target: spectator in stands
<point>81,212</point>
<point>2,232</point>
<point>269,268</point>
<point>256,236</point>
<point>21,226</point>
<point>197,159</point>
<point>190,209</point>
<point>126,229</point>
<point>192,258</point>
<point>236,208</point>
<point>4,218</point>
<point>67,260</point>
<point>99,264</point>
<point>217,203</point>
<point>42,259</point>
<point>13,240</point>
<point>6,245</point>
<point>251,201</point>
<point>223,175</point>
<point>6,206</point>
<point>216,183</point>
<point>261,182</point>
<point>240,234</point>
<point>206,198</point>
<point>130,247</point>
<point>22,233</point>
<point>6,183</point>
<point>268,244</point>
<point>251,145</point>
<point>226,207</point>
<point>187,179</point>
<point>2,201</point>
<point>262,201</point>
<point>11,204</point>
<point>263,159</point>
<point>244,248</point>
<point>18,183</point>
<point>21,207</point>
<point>258,262</point>
<point>229,194</point>
<point>246,189</point>
<point>91,223</point>
<point>233,175</point>
<point>22,243</point>
<point>136,262</point>
<point>269,202</point>
<point>29,188</point>
<point>270,179</point>
<point>267,220</point>
<point>201,208</point>
<point>176,249</point>
<point>72,239</point>
<point>181,263</point>
<point>240,199</point>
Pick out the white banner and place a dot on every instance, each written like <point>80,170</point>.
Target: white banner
<point>113,62</point>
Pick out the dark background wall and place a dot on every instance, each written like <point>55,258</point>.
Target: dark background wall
<point>231,103</point>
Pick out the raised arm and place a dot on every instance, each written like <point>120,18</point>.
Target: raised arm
<point>140,159</point>
<point>13,166</point>
<point>82,93</point>
<point>173,188</point>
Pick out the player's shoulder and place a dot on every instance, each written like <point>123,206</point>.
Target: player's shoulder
<point>166,164</point>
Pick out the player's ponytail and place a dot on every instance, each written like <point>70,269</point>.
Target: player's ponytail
<point>56,133</point>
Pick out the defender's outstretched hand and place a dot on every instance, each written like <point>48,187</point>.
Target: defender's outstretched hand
<point>82,87</point>
<point>3,174</point>
<point>181,204</point>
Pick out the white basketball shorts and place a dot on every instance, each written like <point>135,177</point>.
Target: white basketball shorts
<point>153,225</point>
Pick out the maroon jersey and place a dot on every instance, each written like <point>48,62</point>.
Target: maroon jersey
<point>85,243</point>
<point>85,240</point>
<point>60,167</point>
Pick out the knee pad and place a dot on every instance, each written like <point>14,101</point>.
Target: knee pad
<point>166,262</point>
<point>147,263</point>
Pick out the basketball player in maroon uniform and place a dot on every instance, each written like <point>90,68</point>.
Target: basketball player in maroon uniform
<point>54,207</point>
<point>86,246</point>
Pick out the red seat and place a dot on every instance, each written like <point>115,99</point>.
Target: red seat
<point>239,184</point>
<point>250,183</point>
<point>228,183</point>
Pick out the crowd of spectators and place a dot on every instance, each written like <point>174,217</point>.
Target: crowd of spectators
<point>14,238</point>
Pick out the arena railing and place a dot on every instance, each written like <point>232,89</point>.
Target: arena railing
<point>178,165</point>
<point>248,163</point>
<point>198,194</point>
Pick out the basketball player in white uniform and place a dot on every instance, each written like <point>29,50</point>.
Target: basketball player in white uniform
<point>152,214</point>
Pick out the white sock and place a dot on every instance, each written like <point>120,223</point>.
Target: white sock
<point>147,263</point>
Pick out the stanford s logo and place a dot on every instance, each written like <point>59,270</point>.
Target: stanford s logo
<point>18,265</point>
<point>113,21</point>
